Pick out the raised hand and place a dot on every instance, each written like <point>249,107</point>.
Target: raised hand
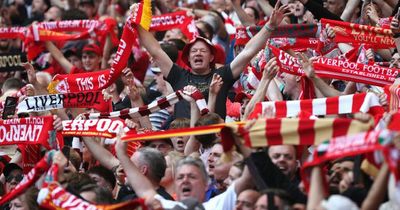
<point>279,12</point>
<point>187,91</point>
<point>270,69</point>
<point>216,84</point>
<point>330,32</point>
<point>307,66</point>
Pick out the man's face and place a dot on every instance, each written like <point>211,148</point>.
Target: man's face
<point>161,146</point>
<point>335,6</point>
<point>189,182</point>
<point>200,57</point>
<point>262,203</point>
<point>296,7</point>
<point>100,181</point>
<point>284,156</point>
<point>13,179</point>
<point>290,82</point>
<point>179,143</point>
<point>90,61</point>
<point>173,34</point>
<point>52,14</point>
<point>234,173</point>
<point>337,172</point>
<point>75,61</point>
<point>213,158</point>
<point>38,6</point>
<point>246,200</point>
<point>88,9</point>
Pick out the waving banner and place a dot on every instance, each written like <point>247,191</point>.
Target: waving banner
<point>87,99</point>
<point>32,130</point>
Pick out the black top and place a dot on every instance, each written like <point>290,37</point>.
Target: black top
<point>272,177</point>
<point>179,78</point>
<point>319,11</point>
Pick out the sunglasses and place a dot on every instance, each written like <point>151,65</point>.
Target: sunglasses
<point>17,178</point>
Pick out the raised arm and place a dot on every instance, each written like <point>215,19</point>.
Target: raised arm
<point>153,47</point>
<point>378,190</point>
<point>269,73</point>
<point>316,194</point>
<point>140,184</point>
<point>215,87</point>
<point>243,16</point>
<point>322,86</point>
<point>192,145</point>
<point>59,56</point>
<point>349,10</point>
<point>258,41</point>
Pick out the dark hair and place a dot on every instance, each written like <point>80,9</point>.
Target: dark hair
<point>103,195</point>
<point>286,199</point>
<point>74,14</point>
<point>179,43</point>
<point>171,50</point>
<point>255,11</point>
<point>155,161</point>
<point>107,174</point>
<point>207,140</point>
<point>76,181</point>
<point>119,85</point>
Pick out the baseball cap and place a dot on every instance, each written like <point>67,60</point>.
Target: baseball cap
<point>242,95</point>
<point>93,48</point>
<point>186,49</point>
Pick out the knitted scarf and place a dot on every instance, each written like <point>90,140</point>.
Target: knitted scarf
<point>154,106</point>
<point>338,69</point>
<point>244,34</point>
<point>354,33</point>
<point>93,127</point>
<point>173,20</point>
<point>74,83</point>
<point>32,130</point>
<point>347,104</point>
<point>87,99</point>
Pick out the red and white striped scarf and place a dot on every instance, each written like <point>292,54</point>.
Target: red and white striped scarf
<point>347,104</point>
<point>393,96</point>
<point>154,106</point>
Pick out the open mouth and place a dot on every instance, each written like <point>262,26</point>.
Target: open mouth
<point>198,60</point>
<point>180,143</point>
<point>186,191</point>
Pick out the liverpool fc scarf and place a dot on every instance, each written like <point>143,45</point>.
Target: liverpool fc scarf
<point>244,34</point>
<point>338,69</point>
<point>354,33</point>
<point>141,16</point>
<point>347,104</point>
<point>31,130</point>
<point>154,106</point>
<point>178,19</point>
<point>68,100</point>
<point>93,127</point>
<point>74,83</point>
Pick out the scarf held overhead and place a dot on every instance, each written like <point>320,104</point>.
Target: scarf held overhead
<point>347,104</point>
<point>68,100</point>
<point>354,33</point>
<point>174,20</point>
<point>338,69</point>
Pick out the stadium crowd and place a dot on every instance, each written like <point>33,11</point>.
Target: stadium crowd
<point>200,104</point>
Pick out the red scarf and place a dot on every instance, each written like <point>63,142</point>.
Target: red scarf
<point>74,83</point>
<point>32,130</point>
<point>94,127</point>
<point>343,146</point>
<point>347,104</point>
<point>68,100</point>
<point>179,20</point>
<point>354,33</point>
<point>338,69</point>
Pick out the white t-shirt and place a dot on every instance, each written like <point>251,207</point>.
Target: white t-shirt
<point>224,201</point>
